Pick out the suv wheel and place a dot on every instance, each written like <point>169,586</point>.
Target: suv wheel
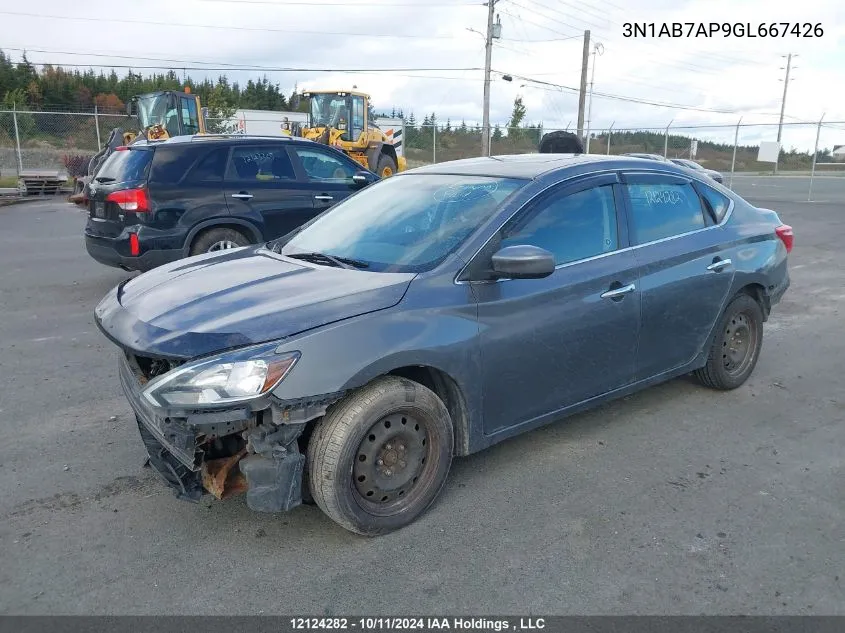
<point>219,239</point>
<point>379,458</point>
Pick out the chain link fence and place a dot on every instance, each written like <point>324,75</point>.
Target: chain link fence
<point>54,141</point>
<point>426,144</point>
<point>32,141</point>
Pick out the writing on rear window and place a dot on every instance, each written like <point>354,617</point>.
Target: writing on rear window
<point>663,196</point>
<point>661,210</point>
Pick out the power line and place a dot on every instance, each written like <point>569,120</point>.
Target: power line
<point>363,71</point>
<point>249,67</point>
<point>606,95</point>
<point>542,15</point>
<point>527,41</point>
<point>615,6</point>
<point>542,26</point>
<point>225,27</point>
<point>577,8</point>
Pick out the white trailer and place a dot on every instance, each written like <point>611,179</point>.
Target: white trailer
<point>394,128</point>
<point>264,122</point>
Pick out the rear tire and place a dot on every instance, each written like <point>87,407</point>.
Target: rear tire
<point>386,166</point>
<point>380,457</point>
<point>736,346</point>
<point>214,240</point>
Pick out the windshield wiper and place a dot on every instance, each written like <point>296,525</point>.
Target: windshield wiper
<point>341,262</point>
<point>104,179</point>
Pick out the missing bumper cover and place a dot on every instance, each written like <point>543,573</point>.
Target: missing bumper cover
<point>274,472</point>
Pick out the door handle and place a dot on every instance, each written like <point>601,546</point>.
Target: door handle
<point>719,265</point>
<point>242,196</point>
<point>618,292</point>
<point>323,198</point>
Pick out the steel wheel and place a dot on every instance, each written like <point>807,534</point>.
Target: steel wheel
<point>390,461</point>
<point>736,345</point>
<point>739,344</point>
<point>380,456</point>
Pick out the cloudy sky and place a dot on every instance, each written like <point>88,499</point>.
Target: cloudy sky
<point>715,79</point>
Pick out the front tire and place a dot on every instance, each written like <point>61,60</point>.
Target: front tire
<point>736,346</point>
<point>386,166</point>
<point>379,458</point>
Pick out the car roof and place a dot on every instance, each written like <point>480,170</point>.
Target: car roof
<point>531,166</point>
<point>211,138</point>
<point>645,155</point>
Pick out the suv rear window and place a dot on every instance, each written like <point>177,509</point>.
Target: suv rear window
<point>126,165</point>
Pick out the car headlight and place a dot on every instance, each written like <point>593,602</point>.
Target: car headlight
<point>236,376</point>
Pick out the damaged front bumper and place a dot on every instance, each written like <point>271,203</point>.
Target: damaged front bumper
<point>252,448</point>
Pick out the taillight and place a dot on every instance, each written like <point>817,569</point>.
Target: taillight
<point>134,245</point>
<point>122,148</point>
<point>784,232</point>
<point>134,200</point>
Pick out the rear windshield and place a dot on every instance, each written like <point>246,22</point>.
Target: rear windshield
<point>126,166</point>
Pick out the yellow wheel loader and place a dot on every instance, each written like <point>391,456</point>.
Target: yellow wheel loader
<point>341,119</point>
<point>165,114</point>
<point>161,115</point>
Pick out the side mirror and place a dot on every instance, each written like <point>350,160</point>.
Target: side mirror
<point>362,179</point>
<point>129,108</point>
<point>523,262</point>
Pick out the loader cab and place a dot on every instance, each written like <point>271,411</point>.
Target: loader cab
<point>343,111</point>
<point>168,113</point>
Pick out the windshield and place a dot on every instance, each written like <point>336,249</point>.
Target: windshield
<point>407,223</point>
<point>327,110</point>
<point>157,109</point>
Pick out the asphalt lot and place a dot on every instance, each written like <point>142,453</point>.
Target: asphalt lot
<point>677,500</point>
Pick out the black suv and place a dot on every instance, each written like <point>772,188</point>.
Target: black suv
<point>152,203</point>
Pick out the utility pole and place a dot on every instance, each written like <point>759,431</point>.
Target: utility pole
<point>783,104</point>
<point>488,57</point>
<point>598,48</point>
<point>582,94</point>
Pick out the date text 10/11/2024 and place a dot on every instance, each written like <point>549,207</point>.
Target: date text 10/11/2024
<point>721,29</point>
<point>418,624</point>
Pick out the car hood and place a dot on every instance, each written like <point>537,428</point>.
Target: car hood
<point>202,305</point>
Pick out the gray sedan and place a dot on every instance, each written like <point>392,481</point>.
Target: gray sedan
<point>432,315</point>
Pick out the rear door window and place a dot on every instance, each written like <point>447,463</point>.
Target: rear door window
<point>662,208</point>
<point>126,165</point>
<point>210,168</point>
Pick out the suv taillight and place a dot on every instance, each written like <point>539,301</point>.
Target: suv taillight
<point>134,200</point>
<point>784,232</point>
